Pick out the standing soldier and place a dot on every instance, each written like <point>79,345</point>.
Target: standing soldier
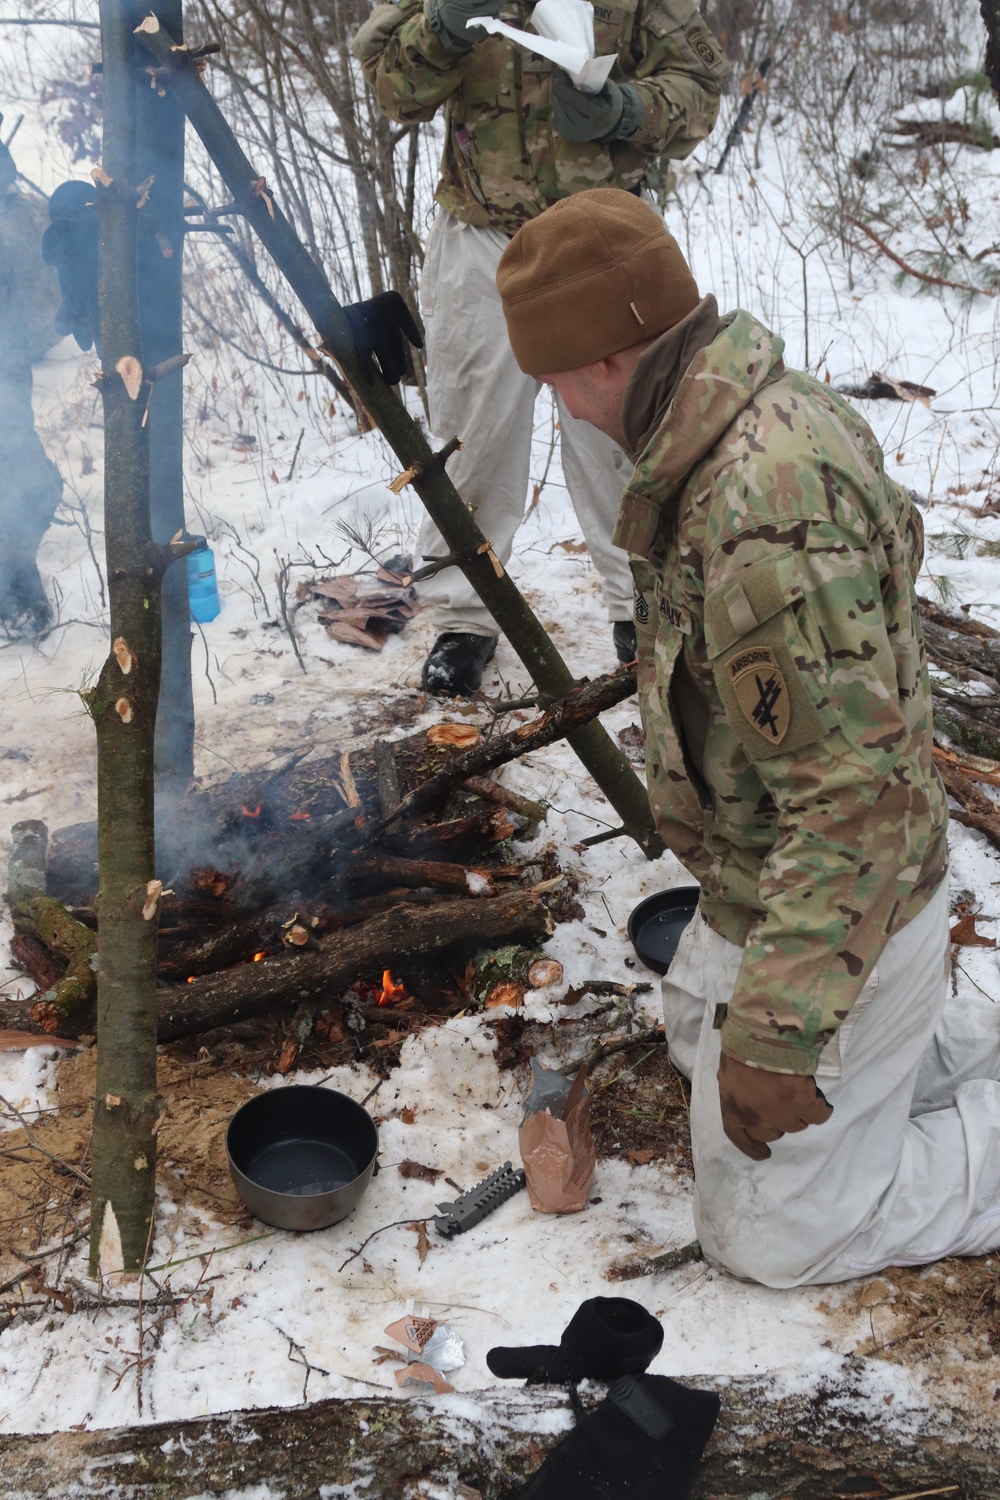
<point>30,486</point>
<point>518,137</point>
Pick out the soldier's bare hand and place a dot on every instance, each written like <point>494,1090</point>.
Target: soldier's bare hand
<point>759,1107</point>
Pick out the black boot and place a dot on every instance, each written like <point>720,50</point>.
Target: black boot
<point>606,1337</point>
<point>624,637</point>
<point>455,665</point>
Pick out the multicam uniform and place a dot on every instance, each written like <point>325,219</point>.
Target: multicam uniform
<point>503,164</point>
<point>788,739</point>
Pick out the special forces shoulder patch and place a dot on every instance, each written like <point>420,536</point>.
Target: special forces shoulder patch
<point>760,691</point>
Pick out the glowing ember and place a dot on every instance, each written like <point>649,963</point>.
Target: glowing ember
<point>258,956</point>
<point>298,817</point>
<point>250,812</point>
<point>390,991</point>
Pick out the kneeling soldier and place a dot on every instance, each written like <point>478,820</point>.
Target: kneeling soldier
<point>837,1123</point>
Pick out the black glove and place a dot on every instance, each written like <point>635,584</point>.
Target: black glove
<point>606,1337</point>
<point>447,19</point>
<point>609,116</point>
<point>642,1443</point>
<point>70,244</point>
<point>378,327</point>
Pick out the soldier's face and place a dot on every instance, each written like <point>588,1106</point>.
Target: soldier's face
<point>593,394</point>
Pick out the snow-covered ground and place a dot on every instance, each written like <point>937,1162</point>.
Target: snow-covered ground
<point>286,1317</point>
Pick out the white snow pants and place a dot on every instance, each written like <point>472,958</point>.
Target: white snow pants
<point>907,1168</point>
<point>476,390</point>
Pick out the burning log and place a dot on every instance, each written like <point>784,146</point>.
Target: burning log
<point>384,942</point>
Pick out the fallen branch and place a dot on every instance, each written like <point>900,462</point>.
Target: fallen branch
<point>956,286</point>
<point>609,1048</point>
<point>561,719</point>
<point>978,810</point>
<point>631,1270</point>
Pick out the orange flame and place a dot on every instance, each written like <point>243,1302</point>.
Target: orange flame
<point>390,991</point>
<point>258,956</point>
<point>250,812</point>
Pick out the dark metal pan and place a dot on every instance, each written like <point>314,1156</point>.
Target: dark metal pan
<point>301,1157</point>
<point>656,924</point>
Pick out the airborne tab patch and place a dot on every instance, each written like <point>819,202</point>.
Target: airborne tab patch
<point>760,691</point>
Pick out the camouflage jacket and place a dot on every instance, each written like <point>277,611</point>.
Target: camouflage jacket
<point>784,684</point>
<point>503,162</point>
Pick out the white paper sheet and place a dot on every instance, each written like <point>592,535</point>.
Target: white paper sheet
<point>565,36</point>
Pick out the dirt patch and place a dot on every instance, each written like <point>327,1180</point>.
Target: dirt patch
<point>640,1109</point>
<point>42,1200</point>
<point>918,1317</point>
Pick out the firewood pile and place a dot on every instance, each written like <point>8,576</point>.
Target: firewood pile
<point>965,688</point>
<point>340,890</point>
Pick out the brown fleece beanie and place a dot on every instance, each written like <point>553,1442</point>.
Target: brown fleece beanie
<point>594,274</point>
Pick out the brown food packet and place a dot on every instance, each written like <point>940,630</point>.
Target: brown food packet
<point>557,1148</point>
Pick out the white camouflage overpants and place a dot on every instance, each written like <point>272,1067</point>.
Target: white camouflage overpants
<point>477,391</point>
<point>905,1171</point>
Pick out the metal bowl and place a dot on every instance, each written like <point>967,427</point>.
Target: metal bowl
<point>301,1157</point>
<point>656,924</point>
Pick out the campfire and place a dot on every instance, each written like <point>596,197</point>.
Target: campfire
<point>292,892</point>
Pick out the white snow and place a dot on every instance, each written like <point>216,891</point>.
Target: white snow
<point>276,1318</point>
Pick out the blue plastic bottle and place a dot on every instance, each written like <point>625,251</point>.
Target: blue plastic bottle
<point>203,586</point>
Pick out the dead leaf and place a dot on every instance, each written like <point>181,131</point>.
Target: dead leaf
<point>964,933</point>
<point>507,992</point>
<point>410,1168</point>
<point>640,1158</point>
<point>423,1244</point>
<point>289,1053</point>
<point>407,1115</point>
<point>458,735</point>
<point>569,546</point>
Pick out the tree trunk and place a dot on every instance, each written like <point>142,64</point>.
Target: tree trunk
<point>839,1441</point>
<point>424,469</point>
<point>123,706</point>
<point>160,155</point>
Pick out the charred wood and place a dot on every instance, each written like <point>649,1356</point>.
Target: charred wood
<point>54,945</point>
<point>535,812</point>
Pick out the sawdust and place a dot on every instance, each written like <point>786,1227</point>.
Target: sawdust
<point>42,1200</point>
<point>940,1321</point>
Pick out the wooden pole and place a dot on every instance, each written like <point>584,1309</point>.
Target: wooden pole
<point>123,706</point>
<point>422,468</point>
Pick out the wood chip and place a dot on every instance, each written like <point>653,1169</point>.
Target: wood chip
<point>20,1041</point>
<point>458,735</point>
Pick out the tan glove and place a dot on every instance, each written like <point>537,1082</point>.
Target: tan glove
<point>758,1107</point>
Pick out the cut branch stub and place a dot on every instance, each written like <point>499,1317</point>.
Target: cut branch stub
<point>123,654</point>
<point>130,370</point>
